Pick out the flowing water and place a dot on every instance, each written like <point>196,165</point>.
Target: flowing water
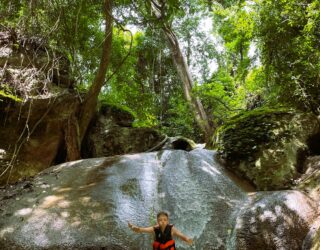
<point>191,186</point>
<point>89,202</point>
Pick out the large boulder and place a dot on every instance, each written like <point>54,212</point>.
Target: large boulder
<point>112,134</point>
<point>37,105</point>
<point>32,133</point>
<point>312,240</point>
<point>309,181</point>
<point>275,220</point>
<point>112,115</point>
<point>267,147</point>
<point>86,204</point>
<point>30,66</point>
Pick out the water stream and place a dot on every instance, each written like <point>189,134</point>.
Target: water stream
<point>89,202</point>
<point>191,186</point>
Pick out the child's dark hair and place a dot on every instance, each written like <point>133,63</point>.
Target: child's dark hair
<point>162,213</point>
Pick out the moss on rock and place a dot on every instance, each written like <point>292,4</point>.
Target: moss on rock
<point>266,146</point>
<point>112,134</point>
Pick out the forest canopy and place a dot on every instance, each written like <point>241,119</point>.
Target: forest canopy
<point>235,55</point>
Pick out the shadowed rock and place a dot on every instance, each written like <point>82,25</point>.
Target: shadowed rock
<point>310,180</point>
<point>33,122</point>
<point>111,133</point>
<point>275,220</point>
<point>33,132</point>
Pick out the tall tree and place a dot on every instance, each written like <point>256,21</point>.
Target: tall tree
<point>90,103</point>
<point>289,33</point>
<point>159,10</point>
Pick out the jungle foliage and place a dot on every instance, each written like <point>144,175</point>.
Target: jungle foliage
<point>241,54</point>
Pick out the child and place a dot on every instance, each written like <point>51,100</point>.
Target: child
<point>163,233</point>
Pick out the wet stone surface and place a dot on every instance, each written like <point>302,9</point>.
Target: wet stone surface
<point>86,204</point>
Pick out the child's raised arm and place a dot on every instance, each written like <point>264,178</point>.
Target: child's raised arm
<point>181,235</point>
<point>140,229</point>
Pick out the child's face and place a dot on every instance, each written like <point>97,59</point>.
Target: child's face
<point>163,221</point>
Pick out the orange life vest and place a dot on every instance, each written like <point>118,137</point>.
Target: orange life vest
<point>163,240</point>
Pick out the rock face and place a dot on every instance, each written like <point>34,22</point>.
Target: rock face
<point>112,134</point>
<point>33,129</point>
<point>30,66</point>
<point>38,126</point>
<point>31,134</point>
<point>275,220</point>
<point>267,147</point>
<point>310,180</point>
<point>86,204</point>
<point>312,240</point>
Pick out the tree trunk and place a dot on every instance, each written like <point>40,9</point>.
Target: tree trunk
<point>184,73</point>
<point>90,102</point>
<point>71,131</point>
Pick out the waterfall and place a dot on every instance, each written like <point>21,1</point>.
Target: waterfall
<point>89,202</point>
<point>191,186</point>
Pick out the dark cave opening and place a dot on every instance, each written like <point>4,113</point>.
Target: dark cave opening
<point>314,144</point>
<point>182,144</point>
